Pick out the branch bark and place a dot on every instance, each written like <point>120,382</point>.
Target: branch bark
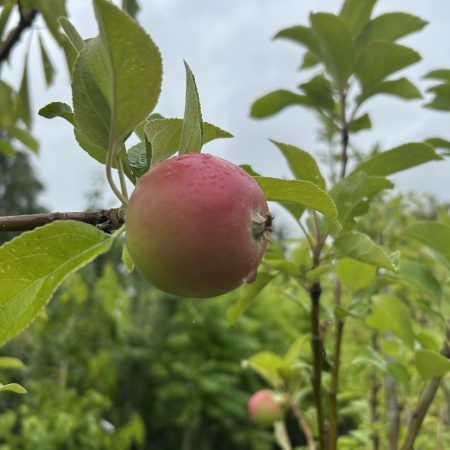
<point>317,350</point>
<point>107,220</point>
<point>426,399</point>
<point>26,20</point>
<point>374,389</point>
<point>393,413</point>
<point>334,389</point>
<point>345,134</point>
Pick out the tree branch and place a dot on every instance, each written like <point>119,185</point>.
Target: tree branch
<point>344,133</point>
<point>107,220</point>
<point>317,350</point>
<point>374,389</point>
<point>334,389</point>
<point>426,399</point>
<point>26,19</point>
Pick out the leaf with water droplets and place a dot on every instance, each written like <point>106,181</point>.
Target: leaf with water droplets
<point>35,263</point>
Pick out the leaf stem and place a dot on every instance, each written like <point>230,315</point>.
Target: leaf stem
<point>112,184</point>
<point>123,184</point>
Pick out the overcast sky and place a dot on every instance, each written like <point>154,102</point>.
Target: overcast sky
<point>229,47</point>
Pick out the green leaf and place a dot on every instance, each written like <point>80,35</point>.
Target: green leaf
<point>381,59</point>
<point>58,109</point>
<point>359,246</point>
<point>355,275</point>
<point>165,136</point>
<point>390,27</point>
<point>7,362</point>
<point>35,263</point>
<point>269,366</point>
<point>336,46</point>
<point>356,13</point>
<point>302,193</point>
<point>431,364</point>
<point>439,74</point>
<point>137,159</point>
<point>8,106</point>
<point>25,138</point>
<point>320,92</point>
<point>402,88</point>
<point>275,102</point>
<point>131,7</point>
<point>71,32</point>
<point>350,192</point>
<point>441,101</point>
<point>281,435</point>
<point>293,352</point>
<point>438,143</point>
<point>310,60</point>
<point>295,210</point>
<point>49,71</point>
<point>398,159</point>
<point>302,164</point>
<point>390,314</point>
<point>115,85</point>
<point>5,15</point>
<point>433,234</point>
<point>51,11</point>
<point>361,123</point>
<point>416,274</point>
<point>301,35</point>
<point>399,372</point>
<point>127,260</point>
<point>192,130</point>
<point>247,294</point>
<point>6,148</point>
<point>367,355</point>
<point>24,107</point>
<point>13,387</point>
<point>315,274</point>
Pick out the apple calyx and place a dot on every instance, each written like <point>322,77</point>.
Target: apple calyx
<point>262,226</point>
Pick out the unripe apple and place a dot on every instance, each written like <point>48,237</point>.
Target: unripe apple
<point>197,225</point>
<point>265,407</point>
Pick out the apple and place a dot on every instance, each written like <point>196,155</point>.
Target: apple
<point>197,225</point>
<point>265,407</point>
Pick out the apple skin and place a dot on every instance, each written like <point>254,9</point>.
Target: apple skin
<point>197,225</point>
<point>265,407</point>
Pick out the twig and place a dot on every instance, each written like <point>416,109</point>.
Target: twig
<point>392,412</point>
<point>344,133</point>
<point>25,21</point>
<point>317,349</point>
<point>375,387</point>
<point>425,401</point>
<point>107,220</point>
<point>308,237</point>
<point>333,428</point>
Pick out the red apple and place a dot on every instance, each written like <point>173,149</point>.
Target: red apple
<point>265,407</point>
<point>197,225</point>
